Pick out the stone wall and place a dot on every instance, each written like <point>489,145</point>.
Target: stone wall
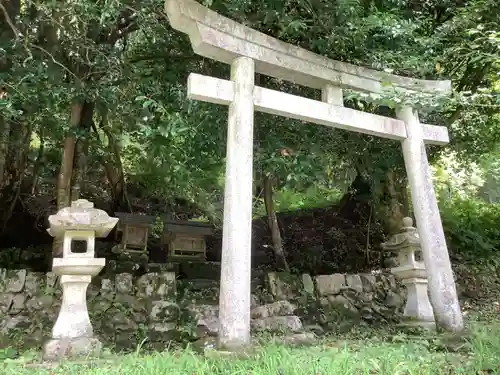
<point>337,302</point>
<point>127,309</point>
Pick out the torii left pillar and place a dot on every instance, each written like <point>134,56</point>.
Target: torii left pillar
<point>234,300</point>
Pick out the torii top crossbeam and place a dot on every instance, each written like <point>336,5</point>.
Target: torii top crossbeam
<point>223,39</point>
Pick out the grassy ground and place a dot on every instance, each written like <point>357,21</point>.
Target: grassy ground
<point>478,353</point>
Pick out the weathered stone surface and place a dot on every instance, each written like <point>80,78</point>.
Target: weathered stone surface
<point>131,303</point>
<point>124,283</point>
<point>34,304</point>
<point>278,324</point>
<point>314,328</point>
<point>234,299</point>
<point>120,320</point>
<point>411,271</point>
<point>33,283</point>
<point>3,279</point>
<point>254,300</point>
<point>283,286</point>
<point>354,282</point>
<point>83,347</point>
<point>166,285</point>
<point>383,311</point>
<point>297,339</point>
<point>72,334</point>
<point>443,292</point>
<point>124,265</point>
<point>394,300</point>
<point>164,311</point>
<point>279,308</point>
<point>163,327</point>
<point>368,282</point>
<point>101,306</point>
<point>277,58</point>
<point>146,285</point>
<point>51,280</point>
<point>80,217</point>
<point>308,284</point>
<point>206,319</point>
<point>107,288</point>
<point>15,281</point>
<point>17,322</point>
<point>17,305</point>
<point>342,303</point>
<point>330,284</point>
<point>93,292</point>
<point>118,310</point>
<point>5,302</point>
<point>201,290</point>
<point>391,281</point>
<point>73,321</point>
<point>339,307</point>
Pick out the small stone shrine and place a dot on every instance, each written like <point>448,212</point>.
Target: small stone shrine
<point>412,273</point>
<point>186,239</point>
<point>72,334</point>
<point>135,233</point>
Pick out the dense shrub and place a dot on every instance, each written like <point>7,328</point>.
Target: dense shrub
<point>472,228</point>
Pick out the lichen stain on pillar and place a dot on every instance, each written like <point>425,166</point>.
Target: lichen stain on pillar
<point>234,332</point>
<point>442,287</point>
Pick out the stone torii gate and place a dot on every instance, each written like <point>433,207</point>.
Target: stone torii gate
<point>249,52</point>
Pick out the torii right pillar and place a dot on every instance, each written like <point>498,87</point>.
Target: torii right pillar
<point>442,290</point>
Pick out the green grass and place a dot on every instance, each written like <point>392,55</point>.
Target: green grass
<point>479,353</point>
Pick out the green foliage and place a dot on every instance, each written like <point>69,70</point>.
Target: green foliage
<point>466,192</point>
<point>378,353</point>
<point>472,228</point>
<point>288,199</point>
<point>455,178</point>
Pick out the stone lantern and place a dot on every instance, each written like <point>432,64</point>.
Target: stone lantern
<point>72,334</point>
<point>411,271</point>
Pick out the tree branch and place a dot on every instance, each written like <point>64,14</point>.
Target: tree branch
<point>6,15</point>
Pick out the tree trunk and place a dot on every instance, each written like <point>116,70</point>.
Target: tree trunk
<point>4,148</point>
<point>114,169</point>
<point>66,171</point>
<point>38,163</point>
<point>273,225</point>
<point>405,199</point>
<point>81,150</point>
<point>20,150</point>
<point>395,204</point>
<point>120,196</point>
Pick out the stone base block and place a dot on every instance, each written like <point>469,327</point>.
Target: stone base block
<point>209,348</point>
<point>409,324</point>
<point>76,348</point>
<point>244,353</point>
<point>296,339</point>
